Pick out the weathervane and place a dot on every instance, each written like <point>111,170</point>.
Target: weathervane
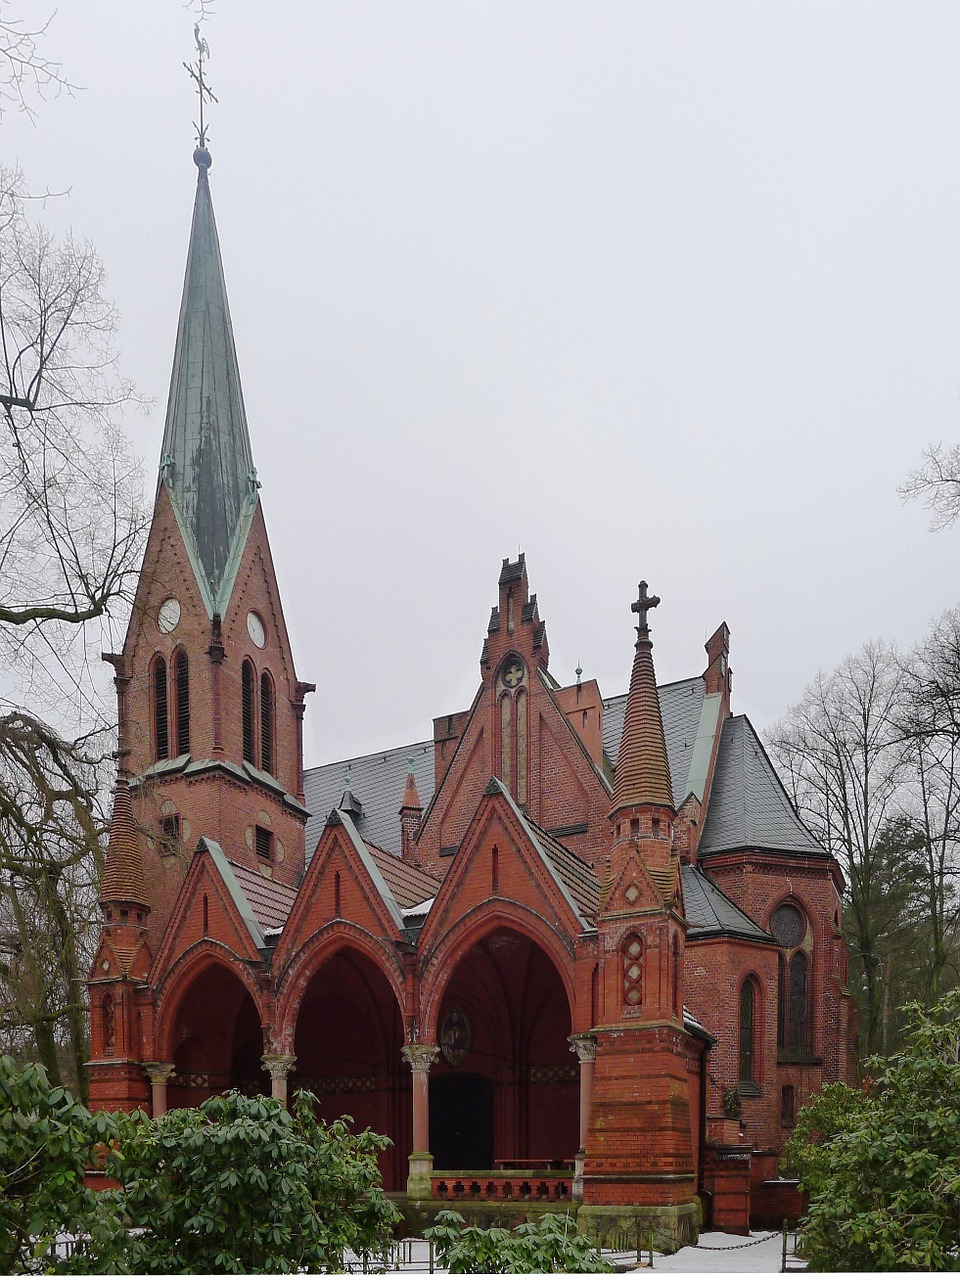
<point>204,92</point>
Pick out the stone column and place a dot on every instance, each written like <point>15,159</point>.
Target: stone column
<point>585,1047</point>
<point>420,1058</point>
<point>158,1073</point>
<point>279,1066</point>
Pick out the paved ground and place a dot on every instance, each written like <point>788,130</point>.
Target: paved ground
<point>757,1254</point>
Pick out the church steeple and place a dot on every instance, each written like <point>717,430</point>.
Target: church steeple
<point>206,462</point>
<point>642,774</point>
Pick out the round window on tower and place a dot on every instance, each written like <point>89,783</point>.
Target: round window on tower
<point>787,925</point>
<point>256,630</point>
<point>168,615</point>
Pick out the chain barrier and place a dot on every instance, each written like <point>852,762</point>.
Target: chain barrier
<point>748,1244</point>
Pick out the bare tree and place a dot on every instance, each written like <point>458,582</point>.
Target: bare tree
<point>846,763</point>
<point>936,482</point>
<point>72,520</point>
<point>929,719</point>
<point>25,71</point>
<point>50,861</point>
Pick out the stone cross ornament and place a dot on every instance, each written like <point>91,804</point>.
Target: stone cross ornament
<point>641,606</point>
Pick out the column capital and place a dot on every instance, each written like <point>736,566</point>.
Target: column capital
<point>159,1072</point>
<point>584,1046</point>
<point>278,1065</point>
<point>420,1057</point>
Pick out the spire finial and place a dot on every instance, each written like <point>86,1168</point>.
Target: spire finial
<point>641,606</point>
<point>195,70</point>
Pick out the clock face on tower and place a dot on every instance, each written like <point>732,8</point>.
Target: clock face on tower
<point>512,674</point>
<point>168,615</point>
<point>255,629</point>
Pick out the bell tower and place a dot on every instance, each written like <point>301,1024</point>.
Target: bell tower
<point>210,707</point>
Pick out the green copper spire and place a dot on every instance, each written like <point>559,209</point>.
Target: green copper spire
<point>206,462</point>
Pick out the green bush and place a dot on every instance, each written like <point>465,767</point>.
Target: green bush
<point>47,1142</point>
<point>882,1164</point>
<point>549,1244</point>
<point>243,1185</point>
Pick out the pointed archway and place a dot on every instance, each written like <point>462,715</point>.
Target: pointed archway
<point>348,1040</point>
<point>216,1040</point>
<point>504,1091</point>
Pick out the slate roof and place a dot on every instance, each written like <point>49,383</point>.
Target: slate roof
<point>378,781</point>
<point>749,808</point>
<point>270,902</point>
<point>711,913</point>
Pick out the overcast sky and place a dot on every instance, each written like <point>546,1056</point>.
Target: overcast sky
<point>661,290</point>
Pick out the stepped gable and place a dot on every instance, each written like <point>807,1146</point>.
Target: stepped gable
<point>123,879</point>
<point>206,462</point>
<point>749,808</point>
<point>710,913</point>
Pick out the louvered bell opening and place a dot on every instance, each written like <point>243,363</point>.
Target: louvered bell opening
<point>264,842</point>
<point>247,712</point>
<point>182,670</point>
<point>266,723</point>
<point>161,723</point>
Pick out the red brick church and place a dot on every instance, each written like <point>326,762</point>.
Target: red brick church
<point>542,950</point>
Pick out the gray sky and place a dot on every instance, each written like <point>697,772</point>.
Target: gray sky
<point>662,290</point>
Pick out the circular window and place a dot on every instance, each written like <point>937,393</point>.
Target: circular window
<point>787,925</point>
<point>168,615</point>
<point>255,629</point>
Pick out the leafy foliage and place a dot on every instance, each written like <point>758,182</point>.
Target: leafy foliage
<point>550,1244</point>
<point>882,1165</point>
<point>47,1140</point>
<point>243,1185</point>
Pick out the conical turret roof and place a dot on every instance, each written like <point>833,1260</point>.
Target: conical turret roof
<point>642,775</point>
<point>206,460</point>
<point>123,879</point>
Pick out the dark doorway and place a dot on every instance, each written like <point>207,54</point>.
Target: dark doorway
<point>461,1121</point>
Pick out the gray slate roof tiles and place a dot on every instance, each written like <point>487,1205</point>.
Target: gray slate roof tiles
<point>709,911</point>
<point>749,809</point>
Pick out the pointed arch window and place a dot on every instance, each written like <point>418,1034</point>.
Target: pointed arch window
<point>748,1010</point>
<point>161,718</point>
<point>789,926</point>
<point>266,723</point>
<point>247,682</point>
<point>632,956</point>
<point>677,1000</point>
<point>181,675</point>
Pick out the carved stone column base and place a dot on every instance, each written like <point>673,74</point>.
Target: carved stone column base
<point>577,1189</point>
<point>418,1177</point>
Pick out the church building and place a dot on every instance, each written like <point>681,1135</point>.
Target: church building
<point>571,950</point>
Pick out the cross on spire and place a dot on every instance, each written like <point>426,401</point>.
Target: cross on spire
<point>642,605</point>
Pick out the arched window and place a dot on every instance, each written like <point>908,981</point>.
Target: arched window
<point>181,673</point>
<point>798,1015</point>
<point>109,1021</point>
<point>632,971</point>
<point>247,687</point>
<point>266,723</point>
<point>161,719</point>
<point>789,926</point>
<point>748,1002</point>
